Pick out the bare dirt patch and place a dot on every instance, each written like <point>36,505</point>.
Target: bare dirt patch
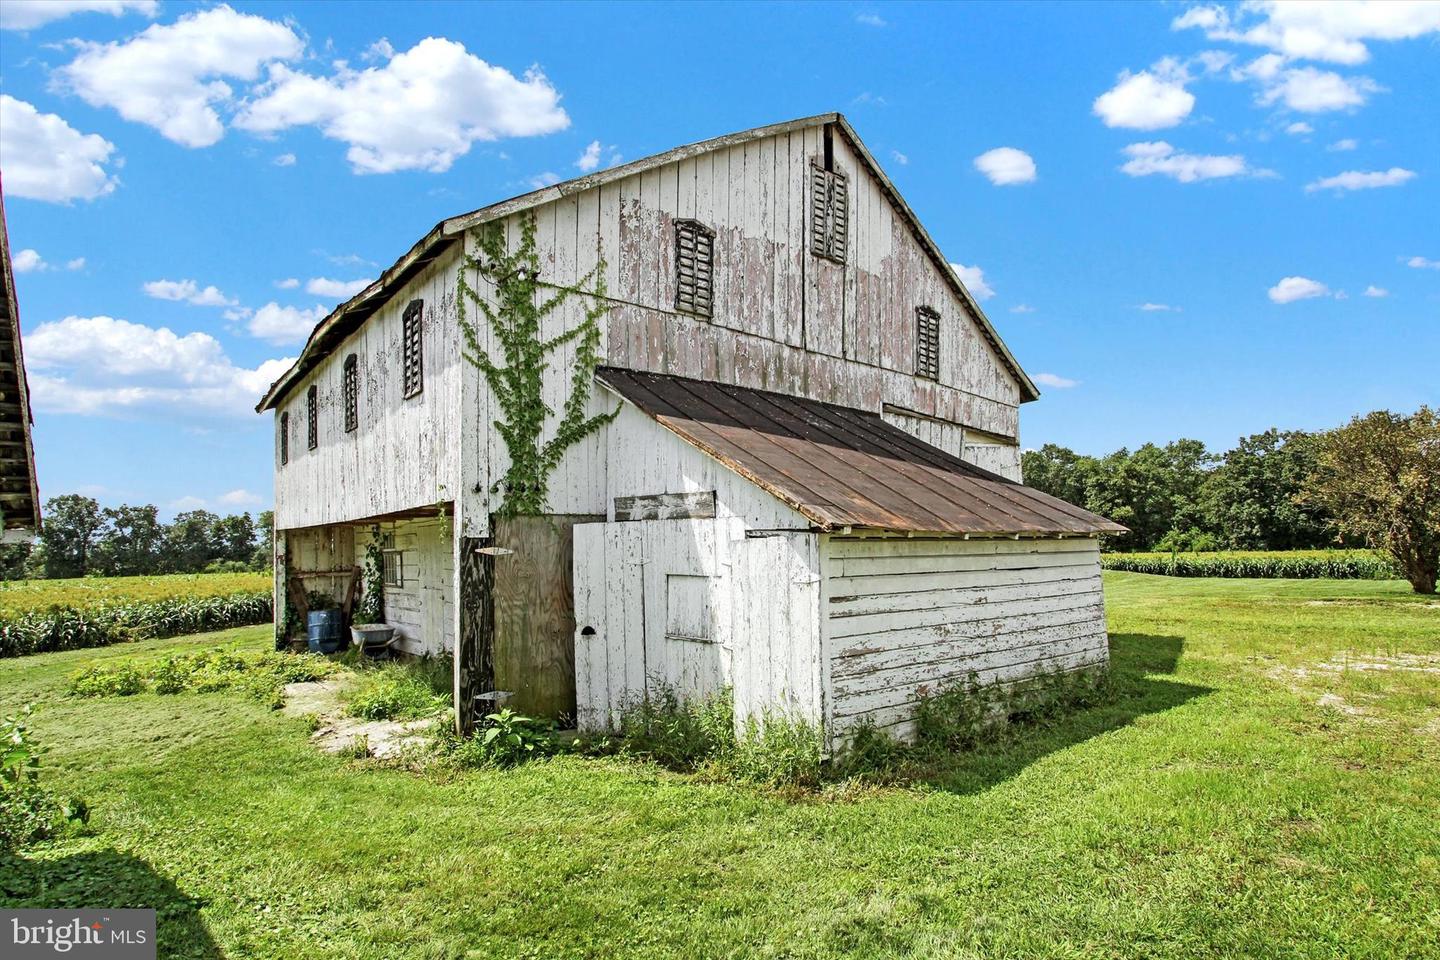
<point>338,733</point>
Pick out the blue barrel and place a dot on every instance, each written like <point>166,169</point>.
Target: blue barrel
<point>325,631</point>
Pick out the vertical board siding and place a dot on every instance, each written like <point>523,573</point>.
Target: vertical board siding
<point>908,618</point>
<point>691,607</point>
<point>1003,459</point>
<point>405,452</point>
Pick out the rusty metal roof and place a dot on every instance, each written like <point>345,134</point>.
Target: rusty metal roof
<point>846,468</point>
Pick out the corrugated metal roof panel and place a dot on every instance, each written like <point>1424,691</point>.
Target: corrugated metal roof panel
<point>846,468</point>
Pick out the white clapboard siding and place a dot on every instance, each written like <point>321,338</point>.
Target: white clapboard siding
<point>422,608</point>
<point>909,618</point>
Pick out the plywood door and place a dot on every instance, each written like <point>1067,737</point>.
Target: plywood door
<point>534,647</point>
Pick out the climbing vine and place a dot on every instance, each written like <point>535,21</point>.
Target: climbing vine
<point>372,604</point>
<point>516,377</point>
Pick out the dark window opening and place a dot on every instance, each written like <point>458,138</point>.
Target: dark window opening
<point>413,357</point>
<point>284,439</point>
<point>392,565</point>
<point>351,389</point>
<point>927,343</point>
<point>694,267</point>
<point>312,417</point>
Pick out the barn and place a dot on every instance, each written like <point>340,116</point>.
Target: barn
<point>806,489</point>
<point>19,496</point>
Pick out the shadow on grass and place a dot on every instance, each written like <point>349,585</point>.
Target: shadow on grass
<point>1136,687</point>
<point>110,879</point>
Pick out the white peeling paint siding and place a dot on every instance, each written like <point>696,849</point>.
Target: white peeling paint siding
<point>405,452</point>
<point>1000,458</point>
<point>909,617</point>
<point>422,608</point>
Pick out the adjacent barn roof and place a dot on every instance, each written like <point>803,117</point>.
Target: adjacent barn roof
<point>19,496</point>
<point>346,318</point>
<point>846,468</point>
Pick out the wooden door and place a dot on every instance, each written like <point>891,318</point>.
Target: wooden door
<point>534,615</point>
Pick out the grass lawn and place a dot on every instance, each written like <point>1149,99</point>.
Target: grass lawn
<point>1265,783</point>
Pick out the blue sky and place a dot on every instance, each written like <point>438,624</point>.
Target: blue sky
<point>1265,174</point>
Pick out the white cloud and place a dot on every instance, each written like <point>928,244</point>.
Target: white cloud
<point>236,314</point>
<point>1314,91</point>
<point>1053,380</point>
<point>44,158</point>
<point>187,291</point>
<point>30,261</point>
<point>29,14</point>
<point>289,283</point>
<point>1362,180</point>
<point>1374,291</point>
<point>1146,100</point>
<point>1291,289</point>
<point>871,20</point>
<point>285,325</point>
<point>1421,263</point>
<point>101,365</point>
<point>542,180</point>
<point>284,160</point>
<point>420,111</point>
<point>1299,128</point>
<point>1161,158</point>
<point>1022,308</point>
<point>1158,308</point>
<point>168,76</point>
<point>1340,146</point>
<point>1005,166</point>
<point>239,498</point>
<point>186,504</point>
<point>974,280</point>
<point>590,159</point>
<point>899,158</point>
<point>1329,30</point>
<point>27,261</point>
<point>342,289</point>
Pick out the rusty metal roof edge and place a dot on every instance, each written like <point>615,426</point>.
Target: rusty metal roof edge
<point>808,511</point>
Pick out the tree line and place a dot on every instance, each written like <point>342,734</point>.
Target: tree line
<point>80,538</point>
<point>1374,482</point>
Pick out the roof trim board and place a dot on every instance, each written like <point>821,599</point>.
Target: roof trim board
<point>324,337</point>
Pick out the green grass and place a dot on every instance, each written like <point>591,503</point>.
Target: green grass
<point>1213,808</point>
<point>84,593</point>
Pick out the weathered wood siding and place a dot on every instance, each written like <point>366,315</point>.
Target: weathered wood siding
<point>694,606</point>
<point>422,608</point>
<point>908,617</point>
<point>1003,459</point>
<point>405,452</point>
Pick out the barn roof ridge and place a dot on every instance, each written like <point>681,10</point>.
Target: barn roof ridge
<point>348,316</point>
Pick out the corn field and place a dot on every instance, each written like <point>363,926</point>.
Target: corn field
<point>1288,564</point>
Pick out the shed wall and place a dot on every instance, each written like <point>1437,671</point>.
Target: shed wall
<point>909,617</point>
<point>422,608</point>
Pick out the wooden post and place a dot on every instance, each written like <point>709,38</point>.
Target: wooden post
<point>474,646</point>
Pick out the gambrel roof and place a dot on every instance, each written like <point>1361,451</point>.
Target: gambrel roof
<point>346,318</point>
<point>842,468</point>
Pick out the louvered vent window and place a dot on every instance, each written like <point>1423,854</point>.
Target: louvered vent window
<point>694,267</point>
<point>350,383</point>
<point>829,213</point>
<point>284,439</point>
<point>927,343</point>
<point>312,417</point>
<point>414,358</point>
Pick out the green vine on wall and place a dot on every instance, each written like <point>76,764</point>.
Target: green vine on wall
<point>515,319</point>
<point>372,604</point>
